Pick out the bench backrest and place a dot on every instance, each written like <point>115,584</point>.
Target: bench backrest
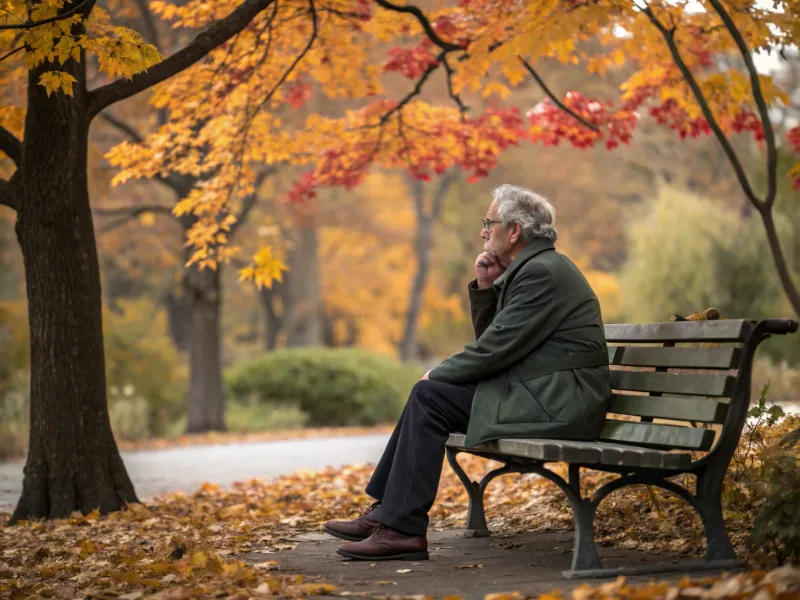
<point>649,379</point>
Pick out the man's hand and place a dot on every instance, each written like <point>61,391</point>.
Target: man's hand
<point>487,269</point>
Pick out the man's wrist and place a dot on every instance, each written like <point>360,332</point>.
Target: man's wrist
<point>484,285</point>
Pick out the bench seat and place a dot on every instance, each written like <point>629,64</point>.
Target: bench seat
<point>579,452</point>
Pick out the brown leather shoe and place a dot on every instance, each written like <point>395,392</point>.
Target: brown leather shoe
<point>355,530</point>
<point>387,544</point>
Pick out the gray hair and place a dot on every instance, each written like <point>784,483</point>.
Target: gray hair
<point>535,215</point>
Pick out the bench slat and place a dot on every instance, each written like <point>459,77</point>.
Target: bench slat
<point>575,451</point>
<point>673,383</point>
<point>681,331</point>
<point>674,358</point>
<point>652,435</point>
<point>669,407</point>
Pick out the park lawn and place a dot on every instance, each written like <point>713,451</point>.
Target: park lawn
<point>184,545</point>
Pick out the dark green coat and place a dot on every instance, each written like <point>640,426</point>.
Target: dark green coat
<point>540,359</point>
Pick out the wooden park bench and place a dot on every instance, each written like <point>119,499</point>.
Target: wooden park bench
<point>659,363</point>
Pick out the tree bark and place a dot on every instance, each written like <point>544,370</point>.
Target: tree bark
<point>73,462</point>
<point>426,221</point>
<point>303,306</point>
<point>206,402</point>
<point>272,320</point>
<point>422,247</point>
<point>177,319</point>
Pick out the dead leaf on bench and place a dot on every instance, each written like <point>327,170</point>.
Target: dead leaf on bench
<point>404,570</point>
<point>476,566</point>
<point>387,582</point>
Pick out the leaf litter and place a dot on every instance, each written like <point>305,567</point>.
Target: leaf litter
<point>187,545</point>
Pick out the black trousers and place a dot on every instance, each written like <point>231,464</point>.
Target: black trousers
<point>406,479</point>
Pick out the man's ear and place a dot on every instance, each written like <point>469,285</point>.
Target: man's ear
<point>516,233</point>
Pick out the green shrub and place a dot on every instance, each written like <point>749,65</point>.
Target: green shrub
<point>254,417</point>
<point>687,253</point>
<point>334,386</point>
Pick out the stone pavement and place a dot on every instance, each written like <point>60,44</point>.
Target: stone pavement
<point>529,563</point>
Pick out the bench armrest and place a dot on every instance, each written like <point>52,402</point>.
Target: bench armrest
<point>779,326</point>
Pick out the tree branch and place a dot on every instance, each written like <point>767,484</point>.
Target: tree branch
<point>132,210</point>
<point>211,37</point>
<point>151,32</point>
<point>250,200</point>
<point>423,20</point>
<point>124,127</point>
<point>553,98</point>
<point>769,134</point>
<point>7,196</point>
<point>669,38</point>
<point>11,53</point>
<point>456,98</point>
<point>447,179</point>
<point>177,182</point>
<point>414,92</point>
<point>60,17</point>
<point>10,145</point>
<point>127,213</point>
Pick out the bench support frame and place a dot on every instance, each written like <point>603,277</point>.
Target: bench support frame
<point>709,472</point>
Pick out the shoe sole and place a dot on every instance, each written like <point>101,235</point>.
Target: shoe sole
<point>343,536</point>
<point>403,556</point>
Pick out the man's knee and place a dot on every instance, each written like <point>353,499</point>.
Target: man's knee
<point>422,389</point>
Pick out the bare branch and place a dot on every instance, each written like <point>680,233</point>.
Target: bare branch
<point>10,145</point>
<point>416,91</point>
<point>669,38</point>
<point>150,29</point>
<point>11,53</point>
<point>124,127</point>
<point>251,200</point>
<point>456,98</point>
<point>553,98</point>
<point>216,34</point>
<point>769,134</point>
<point>132,210</point>
<point>424,21</point>
<point>127,213</point>
<point>60,17</point>
<point>7,195</point>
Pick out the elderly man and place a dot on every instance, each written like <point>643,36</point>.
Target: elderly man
<point>539,368</point>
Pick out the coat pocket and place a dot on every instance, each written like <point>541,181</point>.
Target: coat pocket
<point>520,405</point>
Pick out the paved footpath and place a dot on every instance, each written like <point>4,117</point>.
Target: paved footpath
<point>530,563</point>
<point>186,468</point>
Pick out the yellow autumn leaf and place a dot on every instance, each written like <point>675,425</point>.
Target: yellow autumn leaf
<point>57,80</point>
<point>497,89</point>
<point>199,559</point>
<point>147,219</point>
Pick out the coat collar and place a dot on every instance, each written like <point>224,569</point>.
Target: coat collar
<point>537,246</point>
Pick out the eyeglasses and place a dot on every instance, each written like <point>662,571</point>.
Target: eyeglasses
<point>487,224</point>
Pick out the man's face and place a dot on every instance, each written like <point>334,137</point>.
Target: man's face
<point>498,240</point>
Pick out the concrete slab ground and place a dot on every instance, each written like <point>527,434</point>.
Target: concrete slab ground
<point>529,563</point>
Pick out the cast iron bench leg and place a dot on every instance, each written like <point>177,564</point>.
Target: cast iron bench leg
<point>709,501</point>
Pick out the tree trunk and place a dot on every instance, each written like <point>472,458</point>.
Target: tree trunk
<point>206,404</point>
<point>426,221</point>
<point>73,462</point>
<point>303,306</point>
<point>272,321</point>
<point>423,251</point>
<point>177,319</point>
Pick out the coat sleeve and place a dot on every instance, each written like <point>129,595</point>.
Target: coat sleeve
<point>526,320</point>
<point>482,304</point>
